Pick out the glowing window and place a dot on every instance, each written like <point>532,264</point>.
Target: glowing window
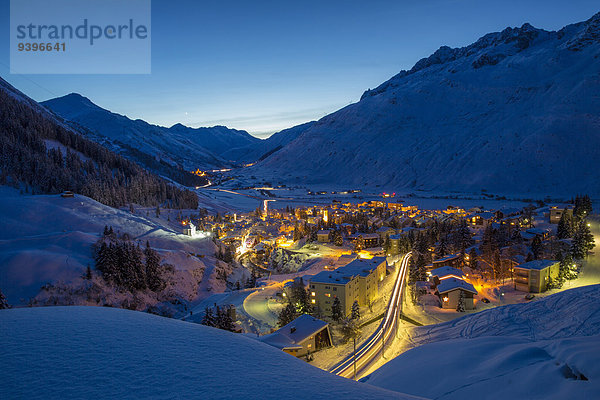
<point>313,301</point>
<point>327,294</point>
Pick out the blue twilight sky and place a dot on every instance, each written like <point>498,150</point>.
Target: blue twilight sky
<point>267,65</point>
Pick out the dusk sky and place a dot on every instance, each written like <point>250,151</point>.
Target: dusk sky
<point>267,65</point>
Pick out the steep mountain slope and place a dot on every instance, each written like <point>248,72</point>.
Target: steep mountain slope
<point>516,112</point>
<point>178,145</point>
<point>547,349</point>
<point>264,148</point>
<point>39,153</point>
<point>105,353</point>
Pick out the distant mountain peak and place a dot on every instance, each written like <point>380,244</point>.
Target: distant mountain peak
<point>490,49</point>
<point>495,115</point>
<point>178,126</point>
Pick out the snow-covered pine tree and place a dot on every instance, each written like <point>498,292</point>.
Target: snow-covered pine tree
<point>3,303</point>
<point>336,310</point>
<point>473,263</point>
<point>536,247</point>
<point>442,248</point>
<point>154,278</point>
<point>583,240</point>
<point>287,315</point>
<point>460,307</point>
<point>224,320</point>
<point>209,317</point>
<point>355,314</point>
<point>563,229</point>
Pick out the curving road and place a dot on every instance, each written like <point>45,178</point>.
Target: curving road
<point>371,349</point>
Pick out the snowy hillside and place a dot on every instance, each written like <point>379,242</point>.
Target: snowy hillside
<point>189,147</point>
<point>47,239</point>
<point>547,349</point>
<point>266,147</point>
<point>104,353</point>
<point>518,111</point>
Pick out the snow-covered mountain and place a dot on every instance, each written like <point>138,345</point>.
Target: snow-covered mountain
<point>546,349</point>
<point>107,353</point>
<point>181,145</point>
<point>264,148</point>
<point>518,111</point>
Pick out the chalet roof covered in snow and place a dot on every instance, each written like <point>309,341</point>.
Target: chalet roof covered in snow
<point>293,334</point>
<point>446,271</point>
<point>447,285</point>
<point>446,258</point>
<point>537,264</point>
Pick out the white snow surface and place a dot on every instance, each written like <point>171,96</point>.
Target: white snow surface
<point>47,239</point>
<point>538,350</point>
<point>515,112</point>
<point>107,353</point>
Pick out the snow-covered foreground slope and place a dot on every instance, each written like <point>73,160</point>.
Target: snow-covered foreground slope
<point>104,353</point>
<point>547,349</point>
<point>47,238</point>
<point>517,112</point>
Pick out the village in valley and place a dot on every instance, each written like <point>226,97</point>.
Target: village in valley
<point>318,280</point>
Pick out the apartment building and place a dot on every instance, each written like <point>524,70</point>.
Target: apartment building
<point>356,281</point>
<point>533,276</point>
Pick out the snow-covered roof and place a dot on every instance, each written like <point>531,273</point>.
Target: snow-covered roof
<point>450,284</point>
<point>341,276</point>
<point>446,258</point>
<point>447,271</point>
<point>537,264</point>
<point>527,235</point>
<point>537,231</point>
<point>293,334</point>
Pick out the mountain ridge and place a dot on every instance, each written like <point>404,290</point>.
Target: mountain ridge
<point>497,118</point>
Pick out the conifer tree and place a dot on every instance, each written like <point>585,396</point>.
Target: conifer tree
<point>473,262</point>
<point>336,310</point>
<point>154,278</point>
<point>583,240</point>
<point>536,247</point>
<point>224,320</point>
<point>567,267</point>
<point>88,273</point>
<point>355,314</point>
<point>287,315</point>
<point>563,229</point>
<point>442,248</point>
<point>3,303</point>
<point>460,307</point>
<point>209,317</point>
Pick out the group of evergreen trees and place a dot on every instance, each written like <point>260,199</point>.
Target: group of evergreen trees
<point>298,304</point>
<point>577,227</point>
<point>126,265</point>
<point>219,317</point>
<point>81,166</point>
<point>3,302</point>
